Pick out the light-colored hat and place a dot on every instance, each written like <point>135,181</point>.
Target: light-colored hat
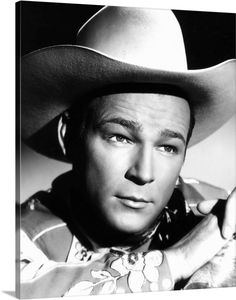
<point>119,46</point>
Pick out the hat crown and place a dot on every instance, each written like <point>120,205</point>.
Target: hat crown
<point>146,37</point>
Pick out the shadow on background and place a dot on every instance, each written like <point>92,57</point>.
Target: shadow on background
<point>10,293</point>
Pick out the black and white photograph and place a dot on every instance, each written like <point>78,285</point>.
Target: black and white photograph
<point>125,150</point>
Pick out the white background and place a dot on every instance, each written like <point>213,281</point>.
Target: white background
<point>7,144</point>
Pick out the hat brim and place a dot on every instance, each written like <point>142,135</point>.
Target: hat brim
<point>53,79</point>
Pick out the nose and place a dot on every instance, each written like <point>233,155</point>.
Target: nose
<point>141,170</point>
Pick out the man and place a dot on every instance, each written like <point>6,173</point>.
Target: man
<point>122,107</point>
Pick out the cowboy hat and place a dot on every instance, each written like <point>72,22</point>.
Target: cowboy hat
<point>119,46</point>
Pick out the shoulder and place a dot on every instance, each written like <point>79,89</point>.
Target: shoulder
<point>49,232</point>
<point>36,217</point>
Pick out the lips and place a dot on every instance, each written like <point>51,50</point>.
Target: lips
<point>133,202</point>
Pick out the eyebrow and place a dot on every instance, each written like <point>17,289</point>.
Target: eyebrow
<point>129,124</point>
<point>173,134</point>
<point>137,127</point>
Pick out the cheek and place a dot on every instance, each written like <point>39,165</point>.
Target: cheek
<point>172,170</point>
<point>167,175</point>
<point>105,169</point>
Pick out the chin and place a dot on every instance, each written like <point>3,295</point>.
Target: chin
<point>130,228</point>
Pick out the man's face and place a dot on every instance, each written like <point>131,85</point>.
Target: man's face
<point>135,148</point>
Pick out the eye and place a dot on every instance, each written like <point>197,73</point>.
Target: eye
<point>117,138</point>
<point>170,149</point>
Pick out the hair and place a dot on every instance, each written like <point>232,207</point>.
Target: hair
<point>80,117</point>
<point>191,125</point>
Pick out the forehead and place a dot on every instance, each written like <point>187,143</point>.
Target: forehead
<point>148,109</point>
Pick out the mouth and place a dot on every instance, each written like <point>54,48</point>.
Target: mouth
<point>133,202</point>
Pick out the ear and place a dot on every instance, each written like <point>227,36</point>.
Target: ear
<point>178,181</point>
<point>61,132</point>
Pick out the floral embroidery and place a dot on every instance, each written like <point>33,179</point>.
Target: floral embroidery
<point>82,253</point>
<point>136,269</point>
<point>106,284</point>
<point>144,267</point>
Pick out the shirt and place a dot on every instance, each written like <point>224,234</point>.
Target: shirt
<point>54,260</point>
